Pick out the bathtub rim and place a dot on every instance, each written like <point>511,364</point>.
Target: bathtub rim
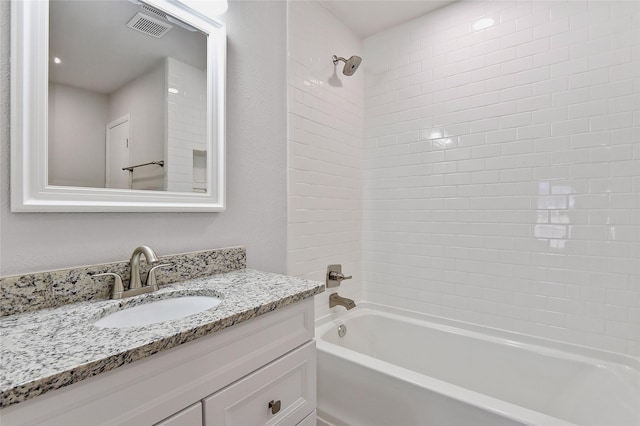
<point>466,396</point>
<point>495,334</point>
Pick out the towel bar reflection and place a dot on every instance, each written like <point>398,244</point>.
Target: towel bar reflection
<point>130,168</point>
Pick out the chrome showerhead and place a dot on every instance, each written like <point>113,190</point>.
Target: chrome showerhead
<point>350,65</point>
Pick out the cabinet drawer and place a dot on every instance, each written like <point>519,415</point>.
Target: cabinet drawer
<point>190,416</point>
<point>288,383</point>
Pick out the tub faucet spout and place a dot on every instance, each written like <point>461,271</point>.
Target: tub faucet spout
<point>335,300</point>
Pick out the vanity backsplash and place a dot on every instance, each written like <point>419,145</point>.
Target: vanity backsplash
<point>30,292</point>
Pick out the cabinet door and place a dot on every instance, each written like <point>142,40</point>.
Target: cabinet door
<point>190,416</point>
<point>281,393</point>
<point>310,420</point>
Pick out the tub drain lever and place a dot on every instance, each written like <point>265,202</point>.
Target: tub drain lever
<point>335,276</point>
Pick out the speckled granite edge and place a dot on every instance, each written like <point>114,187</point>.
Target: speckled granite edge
<point>31,292</point>
<point>56,355</point>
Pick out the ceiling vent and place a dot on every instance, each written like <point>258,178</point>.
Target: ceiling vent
<point>154,11</point>
<point>150,26</point>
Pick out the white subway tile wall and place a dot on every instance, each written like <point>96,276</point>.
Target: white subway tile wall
<point>326,125</point>
<point>186,124</point>
<point>501,167</point>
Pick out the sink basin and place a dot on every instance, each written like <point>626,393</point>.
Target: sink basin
<point>160,311</point>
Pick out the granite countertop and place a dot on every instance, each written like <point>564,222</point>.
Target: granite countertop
<point>51,348</point>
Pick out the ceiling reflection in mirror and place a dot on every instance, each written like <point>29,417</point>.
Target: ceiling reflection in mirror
<point>127,100</point>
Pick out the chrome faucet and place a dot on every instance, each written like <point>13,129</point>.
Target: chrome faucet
<point>135,283</point>
<point>336,300</point>
<point>151,258</point>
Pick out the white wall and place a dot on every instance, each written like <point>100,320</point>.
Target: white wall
<point>256,161</point>
<point>144,99</point>
<point>502,168</point>
<point>325,149</point>
<point>77,121</point>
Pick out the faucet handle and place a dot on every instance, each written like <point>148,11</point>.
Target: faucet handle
<point>151,276</point>
<point>335,276</point>
<point>118,288</point>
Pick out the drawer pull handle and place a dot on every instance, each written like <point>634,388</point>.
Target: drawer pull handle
<point>274,406</point>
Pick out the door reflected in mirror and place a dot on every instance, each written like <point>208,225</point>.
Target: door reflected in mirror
<point>127,98</point>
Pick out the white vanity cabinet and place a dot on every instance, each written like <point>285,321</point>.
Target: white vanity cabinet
<point>261,371</point>
<point>190,416</point>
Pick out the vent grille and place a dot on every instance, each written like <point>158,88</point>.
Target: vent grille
<point>149,26</point>
<point>154,11</point>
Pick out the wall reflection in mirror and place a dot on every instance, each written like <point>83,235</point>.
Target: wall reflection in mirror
<point>127,98</point>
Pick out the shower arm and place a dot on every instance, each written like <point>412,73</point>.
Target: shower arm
<point>336,59</point>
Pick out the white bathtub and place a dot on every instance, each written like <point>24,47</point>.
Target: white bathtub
<point>397,368</point>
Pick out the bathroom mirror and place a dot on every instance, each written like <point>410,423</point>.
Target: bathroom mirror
<point>117,105</point>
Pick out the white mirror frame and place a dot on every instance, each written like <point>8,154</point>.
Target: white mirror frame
<point>29,98</point>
